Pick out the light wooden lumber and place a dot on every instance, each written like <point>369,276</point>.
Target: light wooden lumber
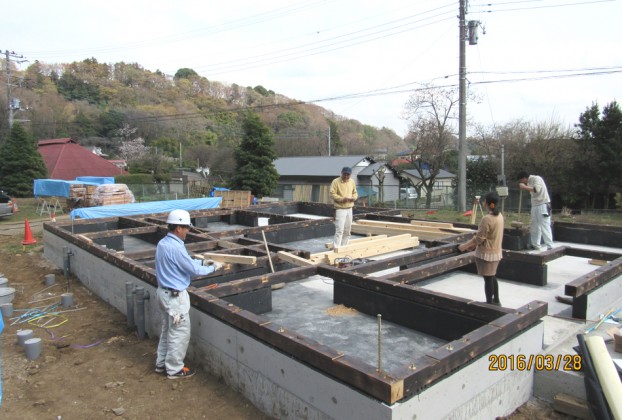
<point>428,236</point>
<point>357,240</point>
<point>573,406</point>
<point>294,259</point>
<point>87,239</point>
<point>231,258</point>
<point>412,226</point>
<point>432,224</point>
<point>228,245</point>
<point>376,242</point>
<point>372,248</point>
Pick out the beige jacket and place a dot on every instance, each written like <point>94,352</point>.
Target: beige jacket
<point>487,242</point>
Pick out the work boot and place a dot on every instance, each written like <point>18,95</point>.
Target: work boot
<point>185,372</point>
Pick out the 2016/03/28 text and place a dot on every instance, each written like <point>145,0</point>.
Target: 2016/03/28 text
<point>544,362</point>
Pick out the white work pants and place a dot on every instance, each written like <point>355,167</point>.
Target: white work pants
<point>343,225</point>
<point>174,339</point>
<point>541,226</point>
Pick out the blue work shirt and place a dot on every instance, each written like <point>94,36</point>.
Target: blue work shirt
<point>174,267</point>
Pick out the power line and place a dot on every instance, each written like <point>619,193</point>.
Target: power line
<point>552,6</point>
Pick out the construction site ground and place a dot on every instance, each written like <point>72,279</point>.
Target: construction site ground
<point>94,366</point>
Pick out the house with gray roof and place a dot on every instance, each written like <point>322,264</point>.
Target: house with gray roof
<point>443,192</point>
<point>308,178</point>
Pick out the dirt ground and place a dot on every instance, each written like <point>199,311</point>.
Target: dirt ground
<point>93,366</point>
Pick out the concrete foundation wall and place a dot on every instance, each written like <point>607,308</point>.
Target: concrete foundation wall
<point>606,297</point>
<point>288,389</point>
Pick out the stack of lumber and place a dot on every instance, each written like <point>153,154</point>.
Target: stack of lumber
<point>88,198</point>
<point>110,194</point>
<point>367,247</point>
<point>234,198</point>
<point>424,230</point>
<point>77,191</point>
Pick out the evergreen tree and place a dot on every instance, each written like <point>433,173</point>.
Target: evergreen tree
<point>254,158</point>
<point>20,163</point>
<point>600,140</point>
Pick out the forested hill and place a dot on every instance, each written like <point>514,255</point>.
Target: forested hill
<point>90,101</point>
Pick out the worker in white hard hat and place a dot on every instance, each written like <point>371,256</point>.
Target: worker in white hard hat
<point>174,268</point>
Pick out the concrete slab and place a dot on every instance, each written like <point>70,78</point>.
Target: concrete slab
<point>307,307</point>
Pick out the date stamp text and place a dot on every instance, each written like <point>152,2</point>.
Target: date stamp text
<point>539,362</point>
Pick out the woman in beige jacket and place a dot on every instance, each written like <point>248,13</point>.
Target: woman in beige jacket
<point>487,246</point>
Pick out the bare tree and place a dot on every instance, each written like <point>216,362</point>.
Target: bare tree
<point>431,112</point>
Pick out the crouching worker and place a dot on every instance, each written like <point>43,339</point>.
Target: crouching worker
<point>174,268</point>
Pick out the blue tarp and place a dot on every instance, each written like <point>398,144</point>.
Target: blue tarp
<point>365,191</point>
<point>146,208</point>
<point>211,193</point>
<point>98,180</point>
<point>55,187</point>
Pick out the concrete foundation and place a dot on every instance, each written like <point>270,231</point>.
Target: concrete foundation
<point>283,387</point>
<point>281,350</point>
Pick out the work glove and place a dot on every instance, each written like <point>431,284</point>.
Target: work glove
<point>207,262</point>
<point>217,266</point>
<point>177,318</point>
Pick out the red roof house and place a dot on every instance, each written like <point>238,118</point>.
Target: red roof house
<point>66,159</point>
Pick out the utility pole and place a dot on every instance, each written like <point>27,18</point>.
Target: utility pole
<point>328,140</point>
<point>12,102</point>
<point>462,112</point>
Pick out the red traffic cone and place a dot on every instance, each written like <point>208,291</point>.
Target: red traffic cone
<point>53,217</point>
<point>28,238</point>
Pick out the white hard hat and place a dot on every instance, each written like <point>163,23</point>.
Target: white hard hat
<point>179,217</point>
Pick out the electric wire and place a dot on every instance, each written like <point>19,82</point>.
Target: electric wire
<point>552,6</point>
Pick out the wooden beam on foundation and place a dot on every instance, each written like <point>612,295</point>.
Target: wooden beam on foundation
<point>294,259</point>
<point>425,271</point>
<point>404,260</point>
<point>423,296</point>
<point>594,279</point>
<point>361,229</point>
<point>349,369</point>
<point>123,232</point>
<point>436,364</point>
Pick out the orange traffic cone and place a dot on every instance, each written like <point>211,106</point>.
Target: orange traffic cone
<point>28,238</point>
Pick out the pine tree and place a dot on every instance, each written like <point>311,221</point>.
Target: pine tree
<point>254,157</point>
<point>20,163</point>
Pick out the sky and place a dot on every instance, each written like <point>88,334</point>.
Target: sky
<point>535,60</point>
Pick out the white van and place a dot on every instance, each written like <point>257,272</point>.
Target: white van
<point>408,193</point>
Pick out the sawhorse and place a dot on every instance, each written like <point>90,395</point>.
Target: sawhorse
<point>48,205</point>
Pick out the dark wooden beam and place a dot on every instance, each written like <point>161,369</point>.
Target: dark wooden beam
<point>594,279</point>
<point>442,361</point>
<point>412,293</point>
<point>431,320</point>
<point>425,271</point>
<point>334,363</point>
<point>405,260</point>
